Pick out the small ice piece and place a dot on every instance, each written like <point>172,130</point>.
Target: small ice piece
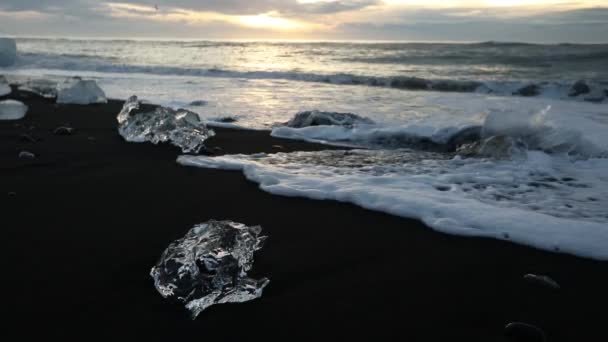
<point>12,110</point>
<point>78,91</point>
<point>542,280</point>
<point>26,155</point>
<point>519,331</point>
<point>8,52</point>
<point>5,88</point>
<point>318,118</point>
<point>42,87</point>
<point>64,130</point>
<point>209,266</point>
<point>181,127</point>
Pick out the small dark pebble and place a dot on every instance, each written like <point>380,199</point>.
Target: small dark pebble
<point>579,88</point>
<point>26,155</point>
<point>524,332</point>
<point>12,194</point>
<point>529,90</point>
<point>506,236</point>
<point>594,99</point>
<point>199,103</point>
<point>64,130</point>
<point>442,187</point>
<point>27,138</point>
<point>542,280</point>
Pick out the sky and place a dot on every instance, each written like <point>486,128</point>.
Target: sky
<point>547,21</point>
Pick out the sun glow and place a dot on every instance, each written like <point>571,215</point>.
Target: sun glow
<point>270,20</point>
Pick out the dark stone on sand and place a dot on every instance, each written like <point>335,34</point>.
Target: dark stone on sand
<point>579,88</point>
<point>27,138</point>
<point>524,332</point>
<point>529,90</point>
<point>542,280</point>
<point>26,155</point>
<point>64,130</point>
<point>410,83</point>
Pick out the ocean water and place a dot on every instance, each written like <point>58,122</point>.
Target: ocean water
<point>548,187</point>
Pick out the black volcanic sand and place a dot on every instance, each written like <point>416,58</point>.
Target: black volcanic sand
<point>84,222</point>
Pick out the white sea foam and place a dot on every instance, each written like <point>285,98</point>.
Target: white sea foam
<point>544,201</point>
<point>551,195</point>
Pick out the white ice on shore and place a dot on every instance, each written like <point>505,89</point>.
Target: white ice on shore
<point>12,110</point>
<point>5,88</point>
<point>8,52</point>
<point>78,91</point>
<point>209,266</point>
<point>182,128</point>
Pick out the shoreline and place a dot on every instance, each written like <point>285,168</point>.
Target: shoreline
<point>88,218</point>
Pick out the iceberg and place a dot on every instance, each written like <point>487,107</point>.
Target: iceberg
<point>78,91</point>
<point>8,52</point>
<point>209,266</point>
<point>182,128</point>
<point>5,88</point>
<point>318,118</point>
<point>12,110</point>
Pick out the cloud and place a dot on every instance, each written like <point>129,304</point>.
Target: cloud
<point>464,20</point>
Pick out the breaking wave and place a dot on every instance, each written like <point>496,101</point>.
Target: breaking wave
<point>591,91</point>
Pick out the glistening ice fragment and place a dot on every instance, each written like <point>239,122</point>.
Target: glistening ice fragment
<point>181,127</point>
<point>209,266</point>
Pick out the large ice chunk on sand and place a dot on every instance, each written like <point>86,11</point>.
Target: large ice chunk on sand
<point>8,52</point>
<point>318,118</point>
<point>12,110</point>
<point>182,128</point>
<point>78,91</point>
<point>209,266</point>
<point>5,88</point>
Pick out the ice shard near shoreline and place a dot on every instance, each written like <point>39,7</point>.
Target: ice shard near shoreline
<point>209,266</point>
<point>181,128</point>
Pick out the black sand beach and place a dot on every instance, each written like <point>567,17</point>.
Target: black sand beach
<point>83,223</point>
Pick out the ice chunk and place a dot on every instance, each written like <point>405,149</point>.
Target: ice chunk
<point>42,87</point>
<point>5,88</point>
<point>12,110</point>
<point>182,128</point>
<point>318,118</point>
<point>78,91</point>
<point>209,266</point>
<point>8,52</point>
